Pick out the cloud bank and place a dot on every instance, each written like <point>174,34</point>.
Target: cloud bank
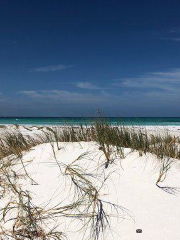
<point>167,83</point>
<point>50,68</point>
<point>150,94</point>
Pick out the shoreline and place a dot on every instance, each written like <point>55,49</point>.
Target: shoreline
<point>86,125</point>
<point>33,129</point>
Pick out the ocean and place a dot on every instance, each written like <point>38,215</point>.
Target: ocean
<point>127,121</point>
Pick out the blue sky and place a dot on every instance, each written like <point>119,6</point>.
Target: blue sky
<point>69,58</point>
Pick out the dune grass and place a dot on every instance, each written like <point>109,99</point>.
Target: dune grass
<point>30,221</point>
<point>118,137</point>
<point>14,143</point>
<point>88,195</point>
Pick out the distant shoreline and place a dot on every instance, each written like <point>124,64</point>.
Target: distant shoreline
<point>76,121</point>
<point>33,128</point>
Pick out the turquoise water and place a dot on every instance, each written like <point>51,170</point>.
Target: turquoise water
<point>156,121</point>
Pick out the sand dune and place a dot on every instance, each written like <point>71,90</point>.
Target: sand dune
<point>130,184</point>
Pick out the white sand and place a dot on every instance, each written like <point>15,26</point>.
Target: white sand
<point>30,130</point>
<point>131,184</point>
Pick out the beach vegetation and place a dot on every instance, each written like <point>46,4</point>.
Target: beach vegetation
<point>29,221</point>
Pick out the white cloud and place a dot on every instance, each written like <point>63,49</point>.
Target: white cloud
<point>88,86</point>
<point>175,39</point>
<point>66,96</point>
<point>51,68</point>
<point>92,86</point>
<point>145,89</point>
<point>174,31</point>
<point>32,94</point>
<point>152,93</point>
<point>170,35</point>
<point>166,82</point>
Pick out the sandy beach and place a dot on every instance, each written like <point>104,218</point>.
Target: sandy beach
<point>127,190</point>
